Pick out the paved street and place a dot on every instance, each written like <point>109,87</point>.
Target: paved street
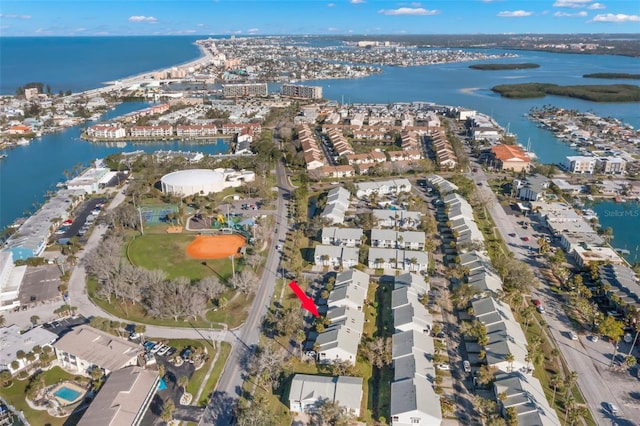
<point>220,410</point>
<point>594,377</point>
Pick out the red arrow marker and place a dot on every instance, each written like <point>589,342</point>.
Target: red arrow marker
<point>307,302</point>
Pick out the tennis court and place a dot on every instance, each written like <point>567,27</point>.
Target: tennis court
<point>155,214</point>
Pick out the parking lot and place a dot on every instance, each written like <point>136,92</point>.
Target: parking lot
<point>82,214</point>
<point>40,284</point>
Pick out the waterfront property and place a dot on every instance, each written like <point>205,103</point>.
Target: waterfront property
<point>11,277</point>
<point>31,238</point>
<point>509,157</point>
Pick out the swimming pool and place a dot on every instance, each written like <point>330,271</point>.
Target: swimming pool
<point>68,394</point>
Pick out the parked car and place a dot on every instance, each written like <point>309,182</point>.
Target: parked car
<point>157,348</point>
<point>163,351</point>
<point>594,338</point>
<point>467,366</point>
<point>540,309</point>
<point>612,408</point>
<point>443,367</point>
<point>512,234</point>
<point>536,302</point>
<point>573,335</point>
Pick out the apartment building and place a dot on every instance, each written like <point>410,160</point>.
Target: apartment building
<point>302,91</point>
<point>245,90</point>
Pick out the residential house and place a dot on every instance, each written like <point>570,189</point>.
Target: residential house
<point>532,188</point>
<point>410,240</point>
<point>336,206</point>
<point>388,258</point>
<point>414,402</point>
<point>580,164</point>
<point>505,335</point>
<point>408,312</point>
<point>414,281</point>
<point>335,256</point>
<point>442,185</point>
<point>348,237</point>
<point>394,186</point>
<point>622,283</point>
<point>526,395</point>
<point>404,219</point>
<point>307,391</point>
<point>611,165</point>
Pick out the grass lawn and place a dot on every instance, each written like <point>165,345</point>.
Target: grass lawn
<point>224,349</point>
<point>15,395</point>
<point>167,252</point>
<point>233,315</point>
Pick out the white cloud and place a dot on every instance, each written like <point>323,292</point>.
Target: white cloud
<point>514,13</point>
<point>409,11</point>
<point>253,30</point>
<point>597,6</point>
<point>332,29</point>
<point>200,25</point>
<point>331,5</point>
<point>571,3</point>
<point>580,14</point>
<point>616,18</point>
<point>416,4</point>
<point>139,18</point>
<point>14,16</point>
<point>357,1</point>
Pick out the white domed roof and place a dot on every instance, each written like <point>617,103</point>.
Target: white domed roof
<point>192,177</point>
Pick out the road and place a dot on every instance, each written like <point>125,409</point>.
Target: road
<point>596,385</point>
<point>220,410</point>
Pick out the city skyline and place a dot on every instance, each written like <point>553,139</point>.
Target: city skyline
<point>338,17</point>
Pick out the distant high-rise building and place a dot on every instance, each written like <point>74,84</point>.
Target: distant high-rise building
<point>31,92</point>
<point>244,90</point>
<point>300,91</point>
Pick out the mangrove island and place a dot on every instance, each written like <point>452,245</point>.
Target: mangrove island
<point>498,67</point>
<point>613,75</point>
<point>595,93</point>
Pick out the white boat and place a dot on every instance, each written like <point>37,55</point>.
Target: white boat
<point>23,141</point>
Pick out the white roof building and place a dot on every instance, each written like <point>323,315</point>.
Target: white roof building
<point>385,187</point>
<point>414,402</point>
<point>12,341</point>
<point>349,237</point>
<point>336,206</point>
<point>526,395</point>
<point>307,391</point>
<point>414,281</point>
<point>346,257</point>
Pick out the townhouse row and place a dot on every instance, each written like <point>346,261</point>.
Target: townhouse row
<point>118,131</point>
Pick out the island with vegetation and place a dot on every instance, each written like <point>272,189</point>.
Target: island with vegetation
<point>613,75</point>
<point>499,67</point>
<point>595,93</point>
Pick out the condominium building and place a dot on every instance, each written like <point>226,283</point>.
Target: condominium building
<point>244,90</point>
<point>301,91</point>
<point>581,164</point>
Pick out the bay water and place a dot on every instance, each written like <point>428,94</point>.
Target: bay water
<point>82,63</point>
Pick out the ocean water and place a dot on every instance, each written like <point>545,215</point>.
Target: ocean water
<point>82,63</point>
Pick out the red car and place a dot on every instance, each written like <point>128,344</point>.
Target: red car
<point>525,238</point>
<point>536,302</point>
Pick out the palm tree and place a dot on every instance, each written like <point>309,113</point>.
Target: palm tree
<point>555,381</point>
<point>300,338</point>
<point>510,358</point>
<point>570,382</point>
<point>167,410</point>
<point>3,321</point>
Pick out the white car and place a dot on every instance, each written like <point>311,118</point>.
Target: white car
<point>467,366</point>
<point>443,367</point>
<point>157,348</point>
<point>612,408</point>
<point>573,335</point>
<point>164,350</point>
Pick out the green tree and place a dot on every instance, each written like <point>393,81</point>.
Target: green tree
<point>614,330</point>
<point>167,410</point>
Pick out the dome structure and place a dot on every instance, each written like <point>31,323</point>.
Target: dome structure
<point>194,181</point>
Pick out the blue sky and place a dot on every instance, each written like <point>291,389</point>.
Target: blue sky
<point>243,17</point>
